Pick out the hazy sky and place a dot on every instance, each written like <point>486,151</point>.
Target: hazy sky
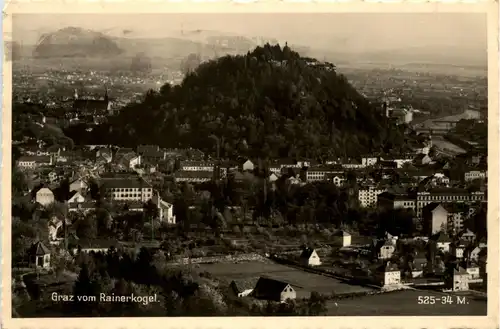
<point>354,31</point>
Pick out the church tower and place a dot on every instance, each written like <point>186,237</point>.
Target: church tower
<point>106,98</point>
<point>75,96</point>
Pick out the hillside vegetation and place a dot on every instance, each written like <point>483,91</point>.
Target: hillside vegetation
<point>269,103</point>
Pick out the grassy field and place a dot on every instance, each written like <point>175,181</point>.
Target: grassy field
<point>303,282</point>
<point>405,303</point>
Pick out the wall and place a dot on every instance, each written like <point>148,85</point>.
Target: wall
<point>222,258</point>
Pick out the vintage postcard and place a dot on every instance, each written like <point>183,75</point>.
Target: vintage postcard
<point>169,162</point>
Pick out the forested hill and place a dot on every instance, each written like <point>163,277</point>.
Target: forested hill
<point>268,103</point>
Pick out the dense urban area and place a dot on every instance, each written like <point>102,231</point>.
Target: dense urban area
<point>260,184</point>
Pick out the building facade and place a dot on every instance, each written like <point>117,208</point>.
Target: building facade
<point>368,196</point>
<point>127,189</point>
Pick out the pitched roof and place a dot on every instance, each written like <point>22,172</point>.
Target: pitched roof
<point>342,233</point>
<point>147,148</point>
<point>432,206</point>
<point>194,174</point>
<point>306,253</point>
<point>241,285</point>
<point>455,207</point>
<point>35,158</point>
<point>38,249</point>
<point>441,237</point>
<point>124,150</point>
<point>460,271</point>
<point>124,183</point>
<point>269,287</point>
<point>388,267</point>
<point>82,205</point>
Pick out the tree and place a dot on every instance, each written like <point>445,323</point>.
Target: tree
<point>84,290</point>
<point>316,304</point>
<point>86,228</point>
<point>249,103</point>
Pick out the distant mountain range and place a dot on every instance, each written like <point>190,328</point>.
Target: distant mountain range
<point>76,42</point>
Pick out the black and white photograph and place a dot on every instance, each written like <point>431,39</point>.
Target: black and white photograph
<point>249,164</point>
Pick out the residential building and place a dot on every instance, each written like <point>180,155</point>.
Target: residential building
<point>165,210</point>
<point>343,238</point>
<point>127,189</point>
<point>83,207</point>
<point>417,175</point>
<point>309,257</point>
<point>270,289</point>
<point>468,236</point>
<point>396,201</point>
<point>196,166</point>
<point>141,149</point>
<point>457,213</point>
<point>401,115</point>
<point>459,280</point>
<point>34,161</point>
<point>273,177</point>
<point>96,246</point>
<point>338,179</point>
<point>368,195</point>
<point>435,219</point>
<point>319,173</point>
<point>128,161</point>
<point>39,255</point>
<point>457,249</point>
<point>54,225</point>
<point>294,181</point>
<point>418,265</point>
<point>437,179</point>
<point>151,153</point>
<point>446,195</point>
<point>288,163</point>
<point>474,254</point>
<point>242,288</point>
<point>474,174</point>
<point>385,249</point>
<point>44,196</point>
<point>400,161</point>
<point>194,176</point>
<point>78,185</point>
<point>124,150</point>
<point>422,159</point>
<point>369,161</point>
<point>76,197</point>
<point>275,169</point>
<point>391,275</point>
<point>352,164</point>
<point>248,166</point>
<point>473,271</point>
<point>92,106</point>
<point>105,153</point>
<point>442,241</point>
<point>53,176</point>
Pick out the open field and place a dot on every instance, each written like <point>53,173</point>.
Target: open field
<point>405,303</point>
<point>303,282</point>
